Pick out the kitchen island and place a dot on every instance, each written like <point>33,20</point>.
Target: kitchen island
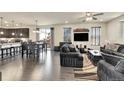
<point>9,49</point>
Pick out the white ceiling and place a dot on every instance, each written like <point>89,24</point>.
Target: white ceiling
<point>48,18</point>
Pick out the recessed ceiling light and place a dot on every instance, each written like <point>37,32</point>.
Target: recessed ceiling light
<point>66,22</point>
<point>5,22</point>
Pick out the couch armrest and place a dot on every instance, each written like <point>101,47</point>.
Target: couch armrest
<point>107,72</point>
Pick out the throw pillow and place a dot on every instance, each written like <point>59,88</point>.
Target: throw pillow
<point>65,48</point>
<point>76,50</point>
<point>120,66</point>
<point>115,47</point>
<point>72,48</point>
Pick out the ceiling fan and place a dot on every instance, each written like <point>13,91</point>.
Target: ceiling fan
<point>89,16</point>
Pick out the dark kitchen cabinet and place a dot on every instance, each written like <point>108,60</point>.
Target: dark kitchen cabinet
<point>14,33</point>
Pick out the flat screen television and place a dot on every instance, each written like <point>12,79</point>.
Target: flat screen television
<point>81,36</point>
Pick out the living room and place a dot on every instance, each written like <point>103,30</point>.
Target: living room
<point>61,46</point>
<point>107,38</point>
<point>86,32</point>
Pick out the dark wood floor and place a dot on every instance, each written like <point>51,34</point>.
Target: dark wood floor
<point>46,67</point>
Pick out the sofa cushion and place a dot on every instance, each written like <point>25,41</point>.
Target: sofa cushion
<point>121,49</point>
<point>77,50</point>
<point>65,48</point>
<point>110,58</point>
<point>62,43</point>
<point>113,47</point>
<point>120,66</point>
<point>72,48</point>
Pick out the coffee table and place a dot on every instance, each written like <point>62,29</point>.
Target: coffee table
<point>94,56</point>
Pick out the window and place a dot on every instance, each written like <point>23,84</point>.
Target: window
<point>44,33</point>
<point>95,35</point>
<point>67,34</point>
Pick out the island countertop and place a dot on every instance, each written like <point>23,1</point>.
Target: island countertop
<point>8,45</point>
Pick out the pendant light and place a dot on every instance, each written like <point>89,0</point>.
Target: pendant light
<point>21,30</point>
<point>36,30</point>
<point>13,34</point>
<point>1,22</point>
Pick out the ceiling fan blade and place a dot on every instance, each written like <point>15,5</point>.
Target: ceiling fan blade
<point>98,14</point>
<point>94,18</point>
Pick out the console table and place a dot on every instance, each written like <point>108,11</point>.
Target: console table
<point>94,56</point>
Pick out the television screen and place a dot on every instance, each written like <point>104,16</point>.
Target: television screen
<point>81,37</point>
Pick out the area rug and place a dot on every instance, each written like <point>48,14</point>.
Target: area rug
<point>88,72</point>
<point>86,76</point>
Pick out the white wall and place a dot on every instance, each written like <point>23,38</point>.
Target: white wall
<point>115,31</point>
<point>59,33</point>
<point>112,31</point>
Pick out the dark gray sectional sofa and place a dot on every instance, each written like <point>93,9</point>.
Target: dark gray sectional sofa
<point>70,56</point>
<point>112,67</point>
<point>108,72</point>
